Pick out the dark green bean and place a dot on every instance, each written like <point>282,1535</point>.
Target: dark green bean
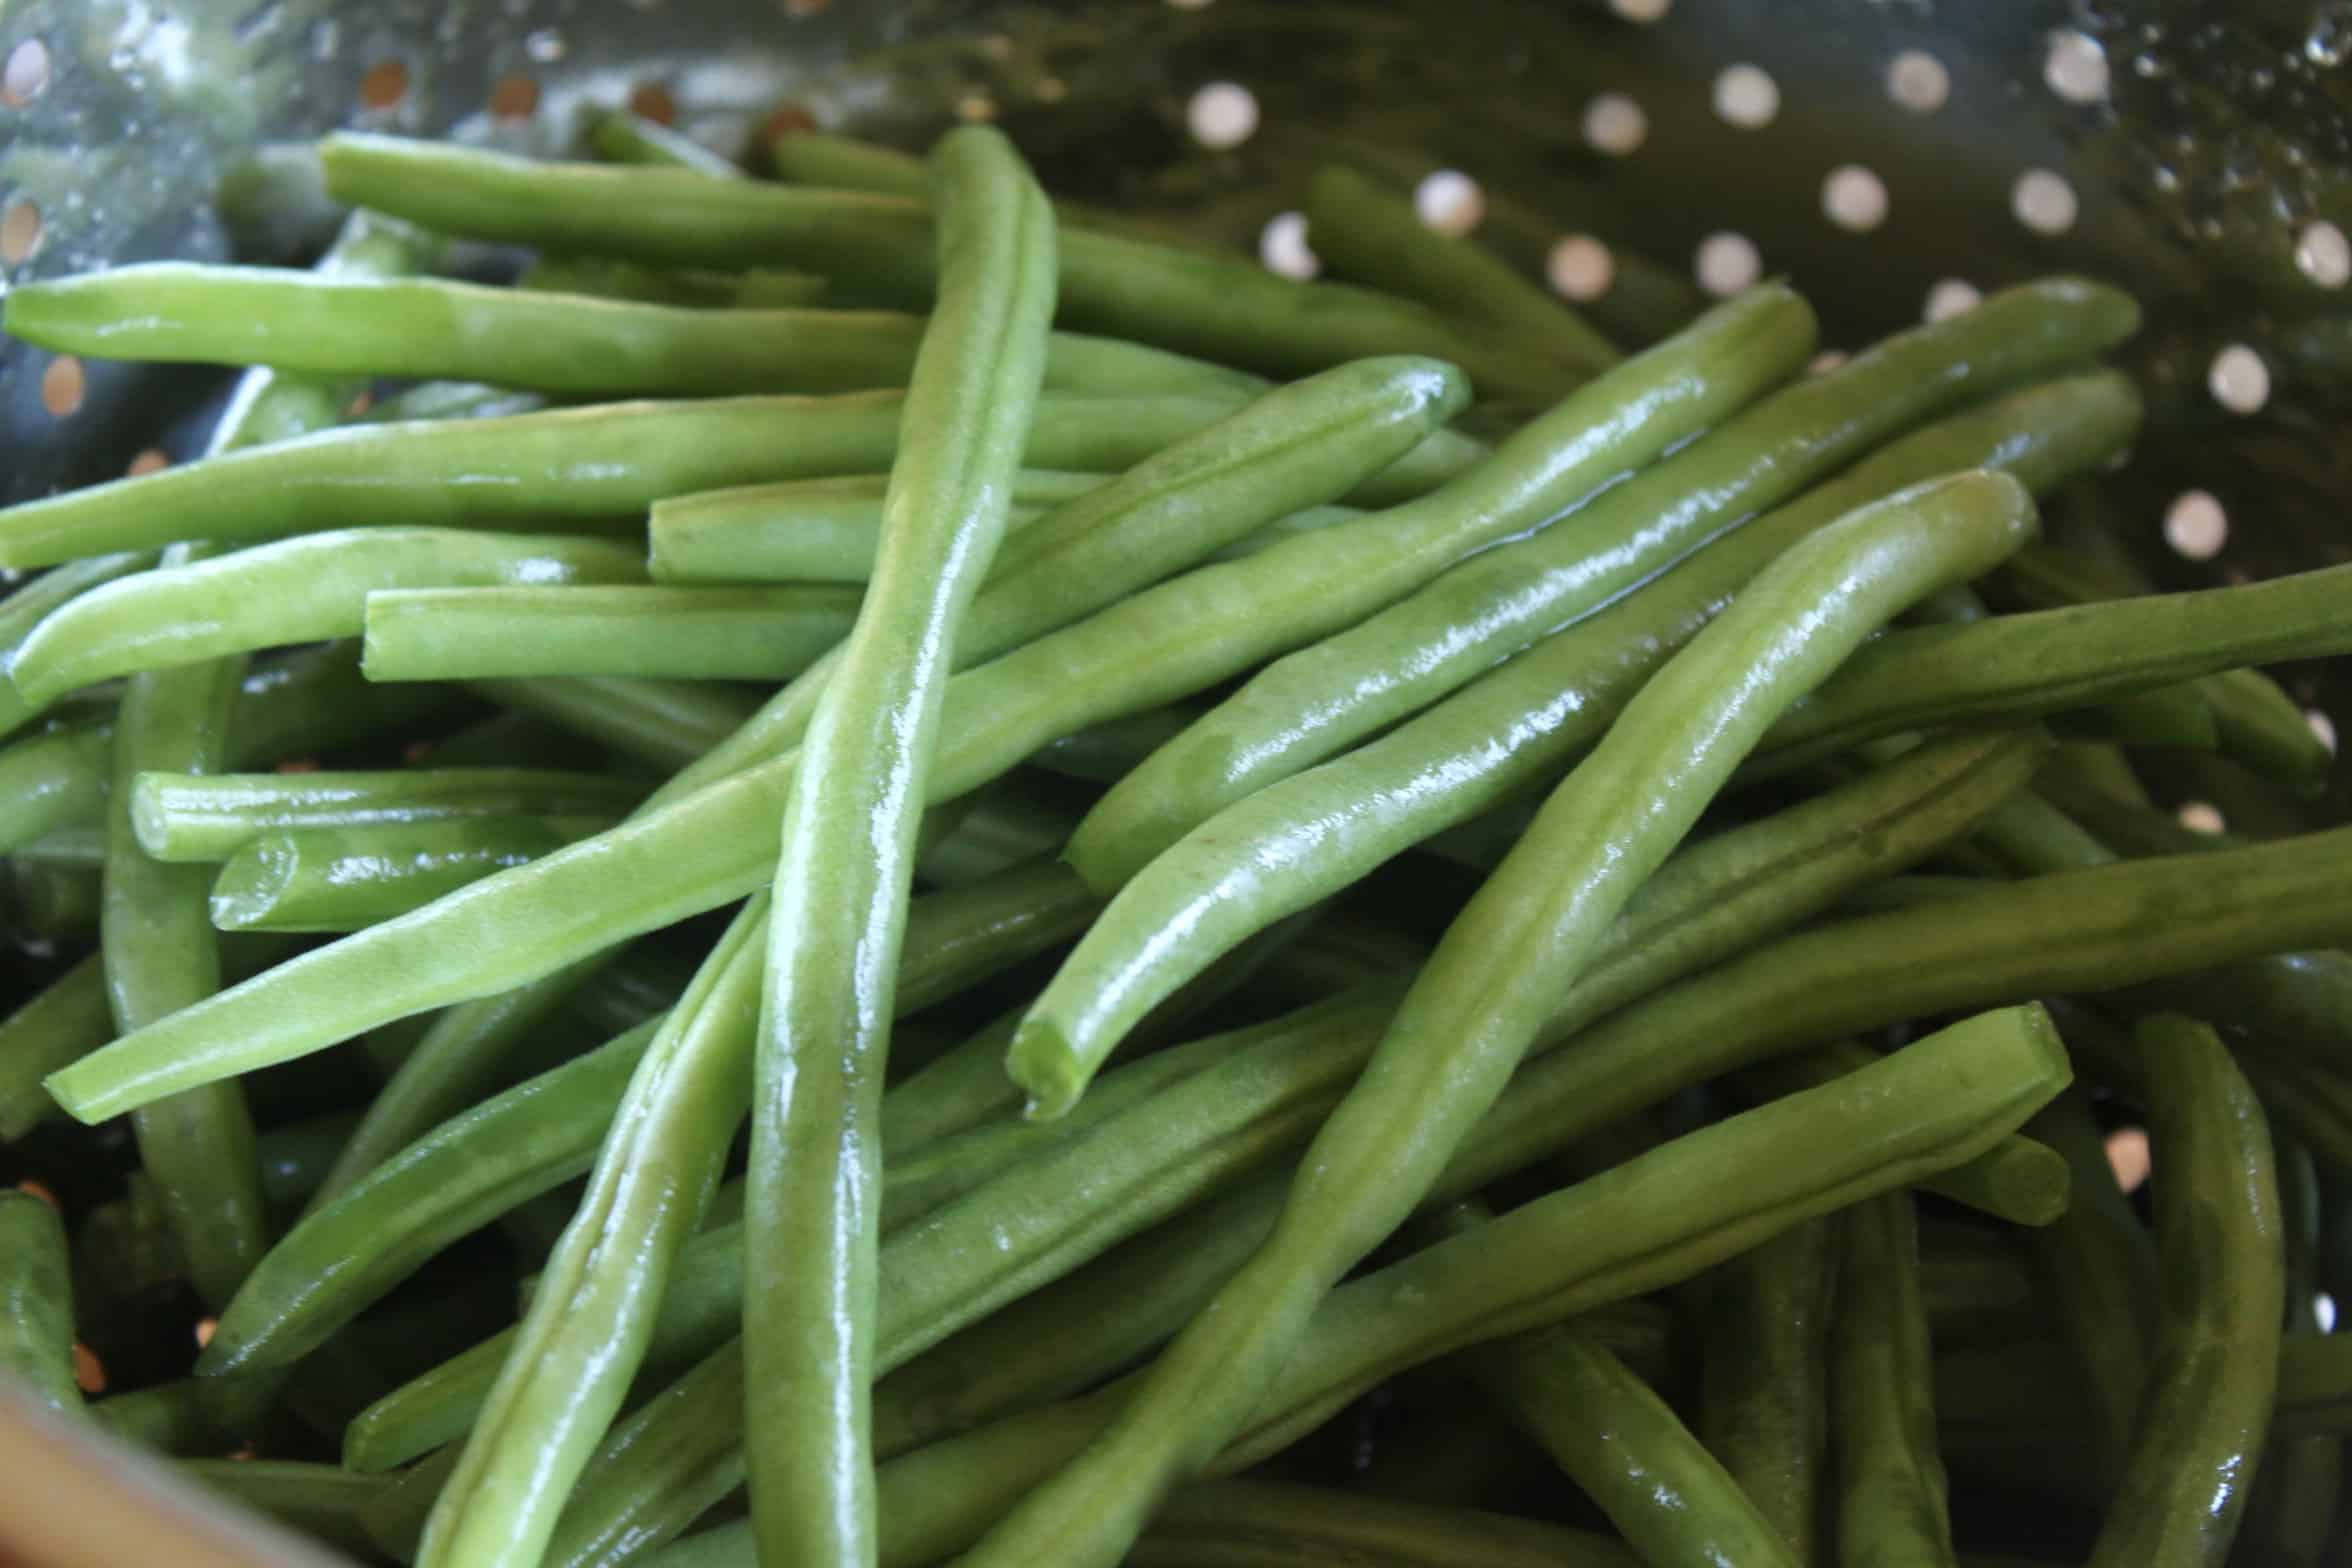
<point>1221,308</point>
<point>319,1500</point>
<point>1891,1492</point>
<point>314,701</point>
<point>65,1022</point>
<point>1310,835</point>
<point>698,633</point>
<point>667,724</point>
<point>1267,1524</point>
<point>601,461</point>
<point>1764,1390</point>
<point>808,530</point>
<point>1323,699</point>
<point>567,344</point>
<point>2202,1430</point>
<point>296,590</point>
<point>210,817</point>
<point>52,781</point>
<point>36,1303</point>
<point>295,1157</point>
<point>345,879</point>
<point>1625,1449</point>
<point>2296,1490</point>
<point>1362,231</point>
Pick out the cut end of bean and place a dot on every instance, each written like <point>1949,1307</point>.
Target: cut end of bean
<point>1041,1062</point>
<point>250,883</point>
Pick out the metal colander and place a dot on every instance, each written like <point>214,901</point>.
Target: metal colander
<point>1892,158</point>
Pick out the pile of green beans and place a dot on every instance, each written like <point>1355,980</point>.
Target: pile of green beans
<point>1030,892</point>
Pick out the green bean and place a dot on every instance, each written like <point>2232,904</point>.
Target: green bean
<point>618,136</point>
<point>599,461</point>
<point>603,278</point>
<point>2315,1383</point>
<point>1480,1002</point>
<point>1322,700</point>
<point>1295,447</point>
<point>2295,1491</point>
<point>1764,1380</point>
<point>843,878</point>
<point>1625,1449</point>
<point>699,633</point>
<point>1265,1524</point>
<point>63,1023</point>
<point>1318,831</point>
<point>567,344</point>
<point>36,1303</point>
<point>344,879</point>
<point>809,530</point>
<point>36,601</point>
<point>580,1342</point>
<point>182,817</point>
<point>1892,1504</point>
<point>295,1157</point>
<point>2202,1431</point>
<point>667,724</point>
<point>1221,308</point>
<point>52,781</point>
<point>296,590</point>
<point>320,1500</point>
<point>1362,231</point>
<point>2019,1180</point>
<point>1584,1246</point>
<point>1313,833</point>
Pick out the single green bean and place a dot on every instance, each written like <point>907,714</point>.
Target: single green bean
<point>2203,1428</point>
<point>618,136</point>
<point>1624,1448</point>
<point>1323,699</point>
<point>1764,1377</point>
<point>1221,308</point>
<point>2021,1181</point>
<point>297,590</point>
<point>344,879</point>
<point>1309,835</point>
<point>1892,1503</point>
<point>843,879</point>
<point>1363,232</point>
<point>295,1157</point>
<point>52,781</point>
<point>809,530</point>
<point>66,1021</point>
<point>1632,1229</point>
<point>183,816</point>
<point>698,633</point>
<point>36,601</point>
<point>319,1500</point>
<point>603,278</point>
<point>36,1303</point>
<point>581,1341</point>
<point>568,344</point>
<point>2296,1490</point>
<point>1471,1015</point>
<point>599,461</point>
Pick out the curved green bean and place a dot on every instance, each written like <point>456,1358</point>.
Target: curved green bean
<point>343,879</point>
<point>568,344</point>
<point>1624,1448</point>
<point>296,590</point>
<point>698,633</point>
<point>181,816</point>
<point>1323,699</point>
<point>1480,1002</point>
<point>64,1022</point>
<point>1222,308</point>
<point>1307,836</point>
<point>1892,1504</point>
<point>36,601</point>
<point>1764,1376</point>
<point>36,1302</point>
<point>52,781</point>
<point>2204,1426</point>
<point>807,530</point>
<point>1362,231</point>
<point>563,465</point>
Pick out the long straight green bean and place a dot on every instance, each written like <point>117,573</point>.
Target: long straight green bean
<point>1221,308</point>
<point>182,816</point>
<point>1764,1378</point>
<point>344,879</point>
<point>567,344</point>
<point>65,1021</point>
<point>1272,1524</point>
<point>599,461</point>
<point>1892,1504</point>
<point>297,590</point>
<point>813,1211</point>
<point>1312,834</point>
<point>1471,1015</point>
<point>1323,699</point>
<point>697,633</point>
